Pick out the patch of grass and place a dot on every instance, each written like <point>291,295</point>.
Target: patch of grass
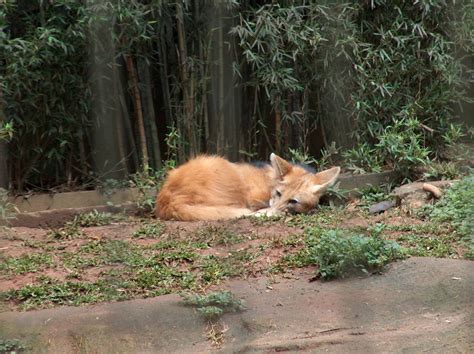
<point>67,232</point>
<point>428,246</point>
<point>215,235</point>
<point>456,206</point>
<point>322,216</point>
<point>27,263</point>
<point>150,230</point>
<point>426,228</point>
<point>73,260</point>
<point>52,292</point>
<point>94,218</point>
<point>264,220</point>
<point>214,269</point>
<point>213,305</point>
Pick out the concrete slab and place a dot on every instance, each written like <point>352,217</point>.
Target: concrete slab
<point>80,199</point>
<point>419,305</point>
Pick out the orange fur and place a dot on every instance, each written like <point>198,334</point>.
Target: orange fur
<point>212,188</point>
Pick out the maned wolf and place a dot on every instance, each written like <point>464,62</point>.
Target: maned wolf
<point>212,188</point>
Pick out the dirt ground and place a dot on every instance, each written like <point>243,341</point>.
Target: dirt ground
<point>418,305</point>
<point>98,258</point>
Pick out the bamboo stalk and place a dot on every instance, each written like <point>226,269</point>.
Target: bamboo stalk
<point>127,122</point>
<point>144,73</point>
<point>119,121</point>
<point>138,109</point>
<point>182,53</point>
<point>221,137</point>
<point>277,126</point>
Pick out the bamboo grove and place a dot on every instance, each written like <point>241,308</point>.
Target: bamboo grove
<point>92,90</point>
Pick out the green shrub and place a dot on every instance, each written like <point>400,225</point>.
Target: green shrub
<point>213,305</point>
<point>457,207</point>
<point>338,255</point>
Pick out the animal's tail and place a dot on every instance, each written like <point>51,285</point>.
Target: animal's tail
<point>195,212</point>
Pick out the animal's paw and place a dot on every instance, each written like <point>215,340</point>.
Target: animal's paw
<point>267,212</point>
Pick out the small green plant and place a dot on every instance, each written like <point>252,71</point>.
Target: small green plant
<point>67,232</point>
<point>6,130</point>
<point>456,207</point>
<point>72,229</point>
<point>374,194</point>
<point>11,346</point>
<point>146,182</point>
<point>26,263</point>
<point>213,305</point>
<point>441,171</point>
<point>150,230</point>
<point>427,245</point>
<point>7,209</point>
<point>363,159</point>
<point>94,218</point>
<point>338,255</point>
<point>216,235</point>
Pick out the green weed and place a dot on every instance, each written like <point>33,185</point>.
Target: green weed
<point>338,255</point>
<point>428,246</point>
<point>213,305</point>
<point>457,207</point>
<point>150,230</point>
<point>27,263</point>
<point>216,236</point>
<point>67,232</point>
<point>11,346</point>
<point>94,218</point>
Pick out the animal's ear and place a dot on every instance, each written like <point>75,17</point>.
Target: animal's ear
<point>280,166</point>
<point>325,179</point>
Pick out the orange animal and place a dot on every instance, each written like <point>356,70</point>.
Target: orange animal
<point>212,188</point>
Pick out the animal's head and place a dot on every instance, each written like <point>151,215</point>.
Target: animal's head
<point>295,189</point>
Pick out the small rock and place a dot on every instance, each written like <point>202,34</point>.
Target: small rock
<point>382,206</point>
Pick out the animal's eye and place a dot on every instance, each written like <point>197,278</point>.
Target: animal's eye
<point>292,201</point>
<point>278,194</point>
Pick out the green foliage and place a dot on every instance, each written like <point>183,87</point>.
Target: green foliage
<point>150,230</point>
<point>457,207</point>
<point>94,218</point>
<point>213,305</point>
<point>7,209</point>
<point>67,232</point>
<point>72,229</point>
<point>43,83</point>
<point>51,292</point>
<point>26,263</point>
<point>6,131</point>
<point>11,346</point>
<point>392,68</point>
<point>374,194</point>
<point>444,170</point>
<point>407,76</point>
<point>428,245</point>
<point>338,255</point>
